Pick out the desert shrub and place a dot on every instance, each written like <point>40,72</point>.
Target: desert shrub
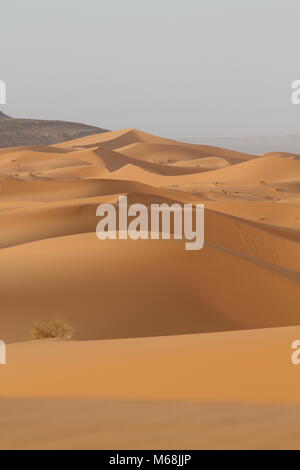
<point>53,329</point>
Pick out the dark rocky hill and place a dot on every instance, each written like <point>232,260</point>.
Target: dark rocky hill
<point>15,132</point>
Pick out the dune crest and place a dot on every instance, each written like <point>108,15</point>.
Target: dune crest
<point>211,329</point>
<point>49,197</point>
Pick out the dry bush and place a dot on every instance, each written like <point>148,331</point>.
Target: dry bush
<point>53,329</point>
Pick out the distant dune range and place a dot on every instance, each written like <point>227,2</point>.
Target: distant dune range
<point>120,294</point>
<point>256,145</point>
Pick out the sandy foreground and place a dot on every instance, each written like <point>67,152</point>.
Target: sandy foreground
<point>171,348</point>
<point>217,390</point>
<point>102,424</point>
<point>242,366</point>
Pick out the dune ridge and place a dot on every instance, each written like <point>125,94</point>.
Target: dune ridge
<point>49,197</point>
<point>155,323</point>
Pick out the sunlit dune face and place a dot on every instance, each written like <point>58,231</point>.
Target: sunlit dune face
<point>150,321</point>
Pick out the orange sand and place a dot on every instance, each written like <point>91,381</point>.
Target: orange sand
<point>160,325</point>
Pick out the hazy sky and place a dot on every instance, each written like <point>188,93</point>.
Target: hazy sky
<point>172,67</point>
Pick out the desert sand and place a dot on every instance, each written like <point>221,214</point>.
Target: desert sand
<point>161,335</point>
<point>103,424</point>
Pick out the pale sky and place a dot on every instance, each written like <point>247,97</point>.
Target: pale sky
<point>172,67</point>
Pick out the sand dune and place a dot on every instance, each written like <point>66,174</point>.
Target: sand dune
<point>245,366</point>
<point>232,390</point>
<point>74,274</point>
<point>48,219</point>
<point>156,322</point>
<point>103,424</point>
<point>136,156</point>
<point>262,170</point>
<point>127,137</point>
<point>270,212</point>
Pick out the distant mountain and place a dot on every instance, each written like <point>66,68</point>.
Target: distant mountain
<point>253,145</point>
<point>16,132</point>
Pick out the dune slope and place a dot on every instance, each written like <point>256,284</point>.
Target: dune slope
<point>102,424</point>
<point>162,335</point>
<point>237,366</point>
<point>49,197</point>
